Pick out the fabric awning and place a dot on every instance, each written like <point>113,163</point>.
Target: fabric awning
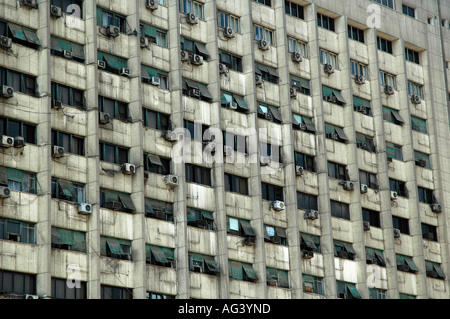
<point>341,134</point>
<point>250,272</point>
<point>309,125</point>
<point>241,102</point>
<point>201,48</point>
<point>309,242</point>
<point>354,292</point>
<point>339,97</point>
<point>276,113</point>
<point>247,228</point>
<point>114,246</point>
<point>127,203</point>
<point>158,254</point>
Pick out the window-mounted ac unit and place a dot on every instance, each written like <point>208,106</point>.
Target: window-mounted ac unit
<point>113,31</point>
<point>311,214</point>
<point>7,141</point>
<point>263,45</point>
<point>5,192</point>
<point>394,195</point>
<point>232,105</point>
<point>332,136</point>
<point>264,160</point>
<point>19,142</point>
<point>125,72</point>
<point>105,118</point>
<point>299,170</point>
<point>258,80</point>
<point>55,11</point>
<point>329,68</point>
<point>223,69</point>
<point>397,233</point>
<point>27,296</point>
<point>249,240</point>
<point>191,18</point>
<point>227,150</point>
<point>421,163</point>
<point>330,98</point>
<point>193,92</point>
<point>159,214</point>
<point>5,42</point>
<point>68,54</point>
<point>29,3</point>
<point>56,104</point>
<point>196,59</point>
<point>348,185</point>
<point>156,81</point>
<point>364,188</point>
<point>101,64</point>
<point>296,57</point>
<point>128,168</point>
<point>114,205</point>
<point>436,207</point>
<point>389,90</point>
<point>275,239</point>
<point>293,92</point>
<point>268,116</point>
<point>360,108</point>
<point>143,42</point>
<point>151,4</point>
<point>416,99</point>
<point>228,32</point>
<point>171,180</point>
<point>184,55</point>
<point>57,151</point>
<point>85,209</point>
<point>366,225</point>
<point>360,79</point>
<point>278,205</point>
<point>7,91</point>
<point>307,254</point>
<point>170,136</point>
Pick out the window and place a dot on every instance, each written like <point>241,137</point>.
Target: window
<point>387,3</point>
<point>388,79</point>
<point>113,153</point>
<point>113,63</point>
<point>194,47</point>
<point>406,263</point>
<point>197,131</point>
<point>365,142</point>
<point>71,143</point>
<point>236,184</point>
<point>368,179</point>
<point>19,34</point>
<point>302,85</point>
<point>68,240</point>
<point>200,218</point>
<point>371,216</point>
<point>110,292</point>
<point>306,201</point>
<point>158,209</point>
<point>105,18</point>
<point>67,95</point>
<point>115,248</point>
<point>338,171</point>
<point>155,120</point>
<point>277,277</point>
<point>239,143</point>
<point>415,89</point>
<point>242,271</point>
<point>355,33</point>
<point>156,164</point>
<point>375,256</point>
<point>325,22</point>
<point>154,295</point>
<point>335,133</point>
<point>275,235</point>
<point>362,105</point>
<point>422,159</point>
<point>16,128</point>
<point>376,293</point>
<point>310,243</point>
<point>191,6</point>
<point>68,6</point>
<point>148,73</point>
<point>434,270</point>
<point>409,11</point>
<point>359,69</point>
<point>399,187</point>
<point>228,98</point>
<point>384,45</point>
<point>115,109</point>
<point>328,57</point>
<point>425,195</point>
<point>160,256</point>
<point>58,46</point>
<point>340,210</point>
<point>272,192</point>
<point>429,232</point>
<point>418,124</point>
<point>263,33</point>
<point>198,174</point>
<point>116,201</point>
<point>394,151</point>
<point>269,112</point>
<point>306,161</point>
<point>271,151</point>
<point>225,20</point>
<point>20,82</point>
<point>401,223</point>
<point>294,10</point>
<point>67,190</point>
<point>313,284</point>
<point>196,90</point>
<point>332,95</point>
<point>60,289</point>
<point>154,35</point>
<point>343,250</point>
<point>203,264</point>
<point>16,230</point>
<point>265,2</point>
<point>412,56</point>
<point>392,116</point>
<point>18,180</point>
<point>298,46</point>
<point>17,283</point>
<point>240,227</point>
<point>267,73</point>
<point>232,61</point>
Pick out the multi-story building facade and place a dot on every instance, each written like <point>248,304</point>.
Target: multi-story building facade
<point>343,193</point>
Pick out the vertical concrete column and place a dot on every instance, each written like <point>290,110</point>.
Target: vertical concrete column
<point>92,151</point>
<point>290,186</point>
<point>383,176</point>
<point>136,157</point>
<point>326,238</point>
<point>43,227</point>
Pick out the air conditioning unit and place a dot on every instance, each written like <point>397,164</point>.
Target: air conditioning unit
<point>389,89</point>
<point>416,99</point>
<point>361,108</point>
<point>85,209</point>
<point>278,205</point>
<point>105,118</point>
<point>29,3</point>
<point>249,240</point>
<point>159,214</point>
<point>171,180</point>
<point>421,163</point>
<point>227,150</point>
<point>191,18</point>
<point>293,92</point>
<point>366,225</point>
<point>428,236</point>
<point>333,136</point>
<point>151,4</point>
<point>360,79</point>
<point>228,32</point>
<point>362,146</point>
<point>113,31</point>
<point>194,92</point>
<point>67,54</point>
<point>296,57</point>
<point>7,141</point>
<point>342,254</point>
<point>302,126</point>
<point>31,297</point>
<point>329,68</point>
<point>264,160</point>
<point>128,168</point>
<point>307,254</point>
<point>364,188</point>
<point>263,45</point>
<point>299,170</point>
<point>143,42</point>
<point>268,116</point>
<point>275,239</point>
<point>156,81</point>
<point>396,233</point>
<point>196,59</point>
<point>348,186</point>
<point>258,80</point>
<point>394,195</point>
<point>125,72</point>
<point>311,214</point>
<point>114,205</point>
<point>55,11</point>
<point>58,151</point>
<point>19,142</point>
<point>7,91</point>
<point>223,69</point>
<point>5,42</point>
<point>5,192</point>
<point>170,136</point>
<point>57,104</point>
<point>232,105</point>
<point>184,55</point>
<point>330,98</point>
<point>436,207</point>
<point>101,64</point>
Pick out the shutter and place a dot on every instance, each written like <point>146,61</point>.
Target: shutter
<point>111,196</point>
<point>78,51</point>
<point>112,62</point>
<point>236,270</point>
<point>67,188</point>
<point>54,44</point>
<point>397,117</point>
<point>159,255</point>
<point>207,215</point>
<point>79,241</point>
<point>14,175</point>
<point>341,134</point>
<point>241,102</point>
<point>276,113</point>
<point>297,119</point>
<point>309,124</point>
<point>247,228</point>
<point>339,97</point>
<point>190,215</point>
<point>309,242</point>
<point>154,160</point>
<point>211,264</point>
<point>149,30</point>
<point>204,90</point>
<point>31,36</point>
<point>354,292</point>
<point>17,31</point>
<point>250,272</point>
<point>126,201</point>
<point>201,48</point>
<point>148,206</point>
<point>114,246</point>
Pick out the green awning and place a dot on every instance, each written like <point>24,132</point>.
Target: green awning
<point>207,215</point>
<point>380,257</point>
<point>297,119</point>
<point>439,271</point>
<point>67,188</point>
<point>339,97</point>
<point>191,84</point>
<point>111,196</point>
<point>411,264</point>
<point>275,112</point>
<point>62,236</point>
<point>197,257</point>
<point>158,254</point>
<point>211,264</point>
<point>127,203</point>
<point>63,45</point>
<point>17,31</point>
<point>309,124</point>
<point>191,215</point>
<point>148,207</point>
<point>149,30</point>
<point>31,36</point>
<point>204,90</point>
<point>112,62</point>
<point>114,246</point>
<point>240,101</point>
<point>309,242</point>
<point>78,50</point>
<point>250,272</point>
<point>201,48</point>
<point>54,44</point>
<point>79,241</point>
<point>14,175</point>
<point>349,248</point>
<point>226,97</point>
<point>281,232</point>
<point>236,270</point>
<point>247,228</point>
<point>341,134</point>
<point>354,292</point>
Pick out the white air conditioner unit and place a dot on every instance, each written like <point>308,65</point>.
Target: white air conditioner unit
<point>364,188</point>
<point>360,108</point>
<point>5,192</point>
<point>264,160</point>
<point>29,3</point>
<point>67,54</point>
<point>228,32</point>
<point>7,91</point>
<point>55,11</point>
<point>171,180</point>
<point>394,195</point>
<point>299,170</point>
<point>360,79</point>
<point>155,81</point>
<point>329,68</point>
<point>223,69</point>
<point>330,98</point>
<point>101,64</point>
<point>105,118</point>
<point>143,42</point>
<point>232,105</point>
<point>113,31</point>
<point>31,297</point>
<point>125,72</point>
<point>416,99</point>
<point>332,136</point>
<point>263,45</point>
<point>296,57</point>
<point>293,92</point>
<point>7,141</point>
<point>151,4</point>
<point>366,225</point>
<point>311,214</point>
<point>85,209</point>
<point>128,168</point>
<point>227,150</point>
<point>258,80</point>
<point>170,136</point>
<point>348,186</point>
<point>184,55</point>
<point>436,207</point>
<point>191,18</point>
<point>389,90</point>
<point>57,151</point>
<point>396,233</point>
<point>278,205</point>
<point>5,42</point>
<point>196,59</point>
